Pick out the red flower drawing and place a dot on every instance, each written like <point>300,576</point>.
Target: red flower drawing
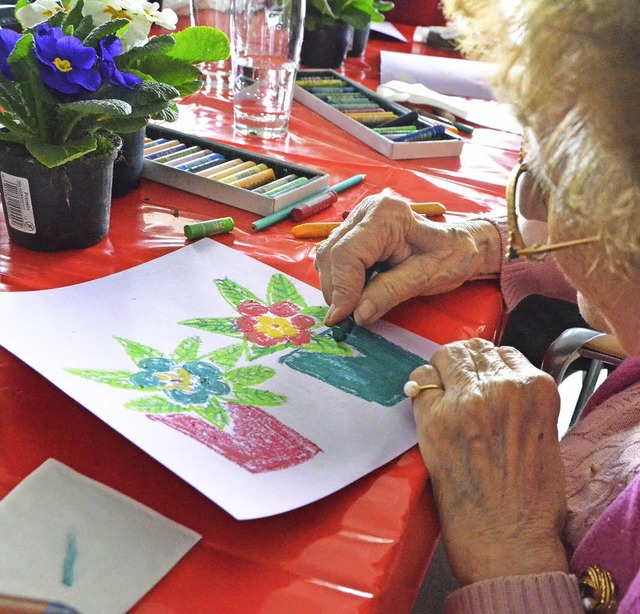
<point>269,325</point>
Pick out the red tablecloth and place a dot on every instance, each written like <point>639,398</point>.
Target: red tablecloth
<point>363,549</point>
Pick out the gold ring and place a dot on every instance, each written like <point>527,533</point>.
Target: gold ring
<point>413,389</point>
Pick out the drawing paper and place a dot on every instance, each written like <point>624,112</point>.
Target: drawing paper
<point>219,367</point>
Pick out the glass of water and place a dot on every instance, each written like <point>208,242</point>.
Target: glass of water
<point>266,36</point>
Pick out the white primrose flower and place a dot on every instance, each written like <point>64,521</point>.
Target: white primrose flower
<point>39,11</point>
<point>166,18</point>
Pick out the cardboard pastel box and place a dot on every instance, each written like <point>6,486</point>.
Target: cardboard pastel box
<point>228,194</point>
<point>448,146</point>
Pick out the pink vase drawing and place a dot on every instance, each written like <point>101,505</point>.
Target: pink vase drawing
<point>254,439</point>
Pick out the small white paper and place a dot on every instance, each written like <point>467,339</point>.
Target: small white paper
<point>450,76</point>
<point>67,538</point>
<point>388,29</point>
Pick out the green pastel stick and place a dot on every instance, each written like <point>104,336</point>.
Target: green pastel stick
<point>199,230</point>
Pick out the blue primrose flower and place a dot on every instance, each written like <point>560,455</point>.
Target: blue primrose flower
<point>8,40</point>
<point>66,65</point>
<point>110,47</point>
<point>192,383</point>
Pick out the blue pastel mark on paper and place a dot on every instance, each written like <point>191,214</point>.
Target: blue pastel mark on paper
<point>70,555</point>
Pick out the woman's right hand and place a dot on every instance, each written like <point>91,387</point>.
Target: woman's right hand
<point>423,258</point>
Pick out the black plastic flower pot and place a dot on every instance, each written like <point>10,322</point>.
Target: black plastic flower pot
<point>360,40</point>
<point>326,46</point>
<point>127,168</point>
<point>60,208</point>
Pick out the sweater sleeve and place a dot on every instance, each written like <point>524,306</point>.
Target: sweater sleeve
<point>521,277</point>
<point>548,593</point>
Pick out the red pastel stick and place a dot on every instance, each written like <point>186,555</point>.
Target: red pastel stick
<point>314,205</point>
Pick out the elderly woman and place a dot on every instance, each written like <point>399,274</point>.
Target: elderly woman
<point>529,524</point>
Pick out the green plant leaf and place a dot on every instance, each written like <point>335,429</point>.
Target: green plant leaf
<point>156,45</point>
<point>200,44</point>
<point>138,352</point>
<point>115,26</point>
<point>249,376</point>
<point>187,350</point>
<point>154,405</point>
<point>261,398</point>
<point>117,379</point>
<point>234,293</point>
<point>55,155</point>
<point>168,71</point>
<point>282,289</point>
<point>221,326</point>
<point>110,107</point>
<point>226,357</point>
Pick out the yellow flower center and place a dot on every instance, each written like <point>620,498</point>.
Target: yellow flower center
<point>180,380</point>
<point>275,327</point>
<point>117,14</point>
<point>63,65</point>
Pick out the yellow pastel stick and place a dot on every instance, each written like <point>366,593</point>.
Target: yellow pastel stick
<point>314,230</point>
<point>428,208</point>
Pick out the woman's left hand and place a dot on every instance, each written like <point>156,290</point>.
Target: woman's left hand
<point>490,442</point>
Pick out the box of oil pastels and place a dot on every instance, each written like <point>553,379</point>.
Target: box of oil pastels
<point>362,113</point>
<point>226,174</point>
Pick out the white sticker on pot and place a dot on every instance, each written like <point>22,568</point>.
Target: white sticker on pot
<point>18,203</point>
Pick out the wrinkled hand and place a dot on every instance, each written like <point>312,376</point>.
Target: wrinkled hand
<point>423,257</point>
<point>489,440</point>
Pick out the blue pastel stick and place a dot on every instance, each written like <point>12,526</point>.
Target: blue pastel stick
<point>156,142</point>
<point>191,164</point>
<point>166,152</point>
<point>207,164</point>
<point>426,134</point>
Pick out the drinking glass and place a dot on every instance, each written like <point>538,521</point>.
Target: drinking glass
<point>266,36</point>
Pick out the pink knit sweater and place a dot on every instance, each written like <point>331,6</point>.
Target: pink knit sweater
<point>602,462</point>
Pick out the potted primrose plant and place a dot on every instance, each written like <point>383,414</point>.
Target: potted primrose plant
<point>67,88</point>
<point>333,27</point>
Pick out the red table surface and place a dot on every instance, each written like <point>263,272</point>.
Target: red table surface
<point>363,549</point>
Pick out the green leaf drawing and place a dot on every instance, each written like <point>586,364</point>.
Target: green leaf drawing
<point>255,352</point>
<point>261,398</point>
<point>315,311</point>
<point>234,293</point>
<point>282,289</point>
<point>187,350</point>
<point>117,379</point>
<point>226,357</point>
<point>223,326</point>
<point>138,352</point>
<point>214,413</point>
<point>327,345</point>
<point>153,405</point>
<point>248,376</point>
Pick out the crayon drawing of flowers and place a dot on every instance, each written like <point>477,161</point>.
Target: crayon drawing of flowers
<point>187,381</point>
<point>206,398</point>
<point>282,321</point>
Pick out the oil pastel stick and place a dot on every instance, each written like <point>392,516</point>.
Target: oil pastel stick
<point>161,146</point>
<point>331,90</point>
<point>256,180</point>
<point>256,168</point>
<point>152,143</point>
<point>275,184</point>
<point>198,161</point>
<point>165,152</point>
<point>292,185</point>
<point>221,167</point>
<point>313,206</point>
<point>206,163</point>
<point>310,82</point>
<point>168,156</point>
<point>429,209</point>
<point>232,170</point>
<point>198,230</point>
<point>426,134</point>
<point>314,230</point>
<point>403,120</point>
<point>347,106</point>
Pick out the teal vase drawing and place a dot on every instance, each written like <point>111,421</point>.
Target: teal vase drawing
<point>376,372</point>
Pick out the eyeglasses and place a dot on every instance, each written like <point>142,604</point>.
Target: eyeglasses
<point>516,246</point>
